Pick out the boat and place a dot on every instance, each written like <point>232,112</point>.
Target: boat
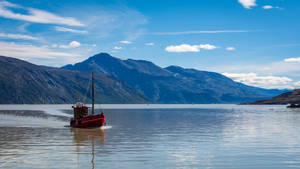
<point>82,118</point>
<point>293,106</point>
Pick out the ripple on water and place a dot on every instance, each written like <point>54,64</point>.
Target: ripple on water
<point>208,136</point>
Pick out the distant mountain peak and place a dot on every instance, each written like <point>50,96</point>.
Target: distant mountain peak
<point>102,54</point>
<point>103,57</point>
<point>174,67</point>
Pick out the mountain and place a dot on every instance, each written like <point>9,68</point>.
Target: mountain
<point>173,84</point>
<point>291,97</point>
<point>25,83</point>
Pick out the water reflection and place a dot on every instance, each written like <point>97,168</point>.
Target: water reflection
<point>84,136</point>
<point>88,137</point>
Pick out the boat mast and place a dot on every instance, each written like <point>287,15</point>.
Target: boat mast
<point>93,94</point>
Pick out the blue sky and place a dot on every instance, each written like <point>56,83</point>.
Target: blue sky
<point>251,41</point>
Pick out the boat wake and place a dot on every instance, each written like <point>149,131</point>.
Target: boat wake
<point>31,118</point>
<point>102,127</point>
<point>105,127</point>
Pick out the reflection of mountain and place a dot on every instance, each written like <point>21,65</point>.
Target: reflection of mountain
<point>95,135</point>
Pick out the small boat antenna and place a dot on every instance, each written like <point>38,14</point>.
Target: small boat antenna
<point>93,94</point>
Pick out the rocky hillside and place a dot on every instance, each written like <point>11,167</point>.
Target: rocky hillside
<point>25,83</point>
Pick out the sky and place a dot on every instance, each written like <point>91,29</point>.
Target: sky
<point>256,42</point>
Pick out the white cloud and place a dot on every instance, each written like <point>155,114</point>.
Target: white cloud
<point>63,29</point>
<point>292,59</point>
<point>118,48</point>
<point>269,82</point>
<point>23,27</point>
<point>297,84</point>
<point>118,21</point>
<point>270,7</point>
<point>230,48</point>
<point>273,68</point>
<point>125,42</point>
<point>248,3</point>
<point>183,48</point>
<point>37,54</point>
<point>267,7</point>
<point>73,44</point>
<point>286,68</point>
<point>149,44</point>
<point>200,32</point>
<point>18,36</point>
<point>35,15</point>
<point>207,47</point>
<point>189,48</point>
<point>54,45</point>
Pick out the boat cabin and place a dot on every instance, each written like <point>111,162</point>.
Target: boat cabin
<point>80,111</point>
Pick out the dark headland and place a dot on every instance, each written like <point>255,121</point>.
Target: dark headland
<point>291,97</point>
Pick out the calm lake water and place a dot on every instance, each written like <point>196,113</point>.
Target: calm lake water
<point>152,136</point>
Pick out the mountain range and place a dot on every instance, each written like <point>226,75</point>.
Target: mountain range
<point>173,84</point>
<point>119,81</point>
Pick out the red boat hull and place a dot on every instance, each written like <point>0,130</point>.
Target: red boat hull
<point>88,122</point>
